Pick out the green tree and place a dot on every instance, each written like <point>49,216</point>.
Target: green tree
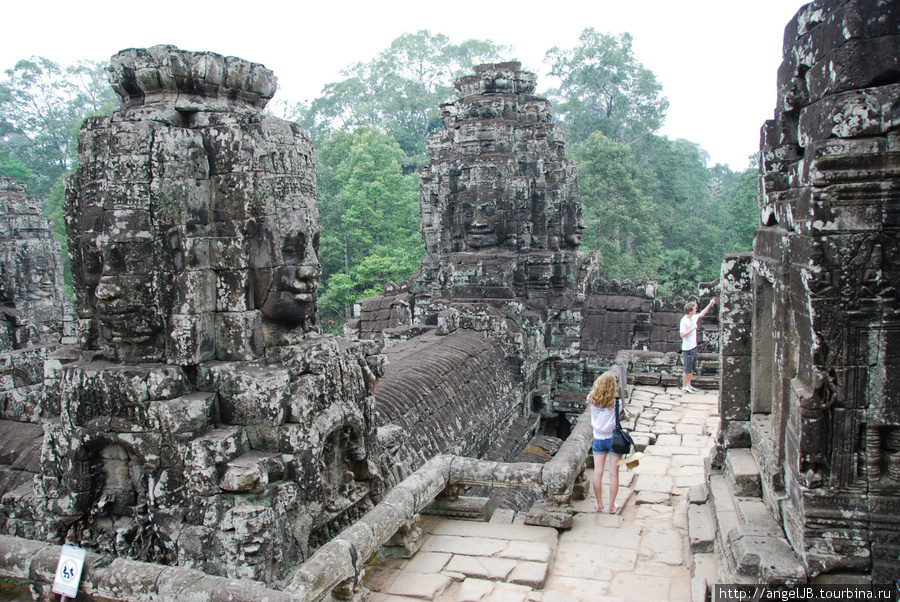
<point>620,218</point>
<point>14,169</point>
<point>740,195</point>
<point>370,217</point>
<point>690,216</point>
<point>679,270</point>
<point>400,90</point>
<point>604,88</point>
<point>41,109</point>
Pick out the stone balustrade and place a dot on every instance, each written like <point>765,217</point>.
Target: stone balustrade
<point>337,564</point>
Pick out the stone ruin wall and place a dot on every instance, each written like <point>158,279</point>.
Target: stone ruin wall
<point>822,336</point>
<point>500,241</point>
<point>501,221</point>
<point>31,280</point>
<point>202,420</point>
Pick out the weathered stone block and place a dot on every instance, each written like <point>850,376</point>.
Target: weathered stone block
<point>743,473</point>
<point>251,394</point>
<point>207,452</point>
<point>734,404</point>
<point>239,336</point>
<point>191,339</point>
<point>189,413</point>
<point>857,64</point>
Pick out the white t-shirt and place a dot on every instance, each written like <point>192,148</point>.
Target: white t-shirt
<point>688,322</point>
<point>603,421</point>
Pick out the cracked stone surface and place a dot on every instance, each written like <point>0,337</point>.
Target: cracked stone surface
<point>638,554</point>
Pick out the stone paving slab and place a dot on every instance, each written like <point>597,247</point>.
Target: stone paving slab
<point>428,562</point>
<point>418,585</point>
<point>545,535</point>
<point>664,545</point>
<point>639,554</point>
<point>629,586</point>
<point>651,482</point>
<point>473,546</point>
<point>576,559</point>
<point>532,574</point>
<point>494,569</point>
<point>528,551</point>
<point>576,588</point>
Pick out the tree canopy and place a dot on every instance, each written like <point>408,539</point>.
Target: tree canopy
<point>399,91</point>
<point>653,208</point>
<point>620,217</point>
<point>603,88</point>
<point>42,106</point>
<point>370,217</point>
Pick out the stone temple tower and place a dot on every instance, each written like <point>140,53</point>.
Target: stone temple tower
<point>31,281</point>
<point>823,414</point>
<point>203,420</point>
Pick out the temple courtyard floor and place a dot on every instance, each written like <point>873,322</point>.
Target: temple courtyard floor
<point>642,553</point>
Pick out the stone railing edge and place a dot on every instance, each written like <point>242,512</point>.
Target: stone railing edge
<point>339,562</point>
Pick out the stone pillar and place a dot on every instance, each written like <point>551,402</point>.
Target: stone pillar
<point>826,381</point>
<point>735,320</point>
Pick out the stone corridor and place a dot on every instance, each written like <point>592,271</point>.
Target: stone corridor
<point>640,554</point>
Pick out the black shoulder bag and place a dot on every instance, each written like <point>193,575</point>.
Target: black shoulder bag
<point>621,441</point>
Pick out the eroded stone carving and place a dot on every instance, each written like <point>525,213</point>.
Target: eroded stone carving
<point>192,213</point>
<point>824,402</point>
<point>31,283</point>
<point>205,422</point>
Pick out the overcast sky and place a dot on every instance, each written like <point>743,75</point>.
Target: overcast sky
<point>716,59</point>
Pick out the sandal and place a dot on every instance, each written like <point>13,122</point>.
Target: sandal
<point>615,509</point>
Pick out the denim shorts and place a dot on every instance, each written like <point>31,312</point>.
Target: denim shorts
<point>603,446</point>
<point>690,359</point>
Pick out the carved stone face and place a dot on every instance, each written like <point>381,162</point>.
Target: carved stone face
<point>481,218</point>
<point>285,266</point>
<point>573,224</point>
<point>120,286</point>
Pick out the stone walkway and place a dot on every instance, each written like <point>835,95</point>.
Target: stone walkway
<point>641,554</point>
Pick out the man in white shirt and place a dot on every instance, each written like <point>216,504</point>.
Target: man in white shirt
<point>688,329</point>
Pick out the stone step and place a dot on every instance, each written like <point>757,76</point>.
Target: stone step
<point>749,544</point>
<point>252,471</point>
<point>464,507</point>
<point>701,529</point>
<point>743,473</point>
<point>704,573</point>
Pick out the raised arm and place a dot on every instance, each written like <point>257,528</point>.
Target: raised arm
<point>708,307</point>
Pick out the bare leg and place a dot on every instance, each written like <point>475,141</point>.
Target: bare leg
<point>613,481</point>
<point>686,379</point>
<point>597,482</point>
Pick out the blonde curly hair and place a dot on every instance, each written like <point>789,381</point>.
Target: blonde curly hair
<point>603,393</point>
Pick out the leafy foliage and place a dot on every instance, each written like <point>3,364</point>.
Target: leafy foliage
<point>679,273</point>
<point>41,109</point>
<point>740,193</point>
<point>620,218</point>
<point>400,91</point>
<point>370,217</point>
<point>605,89</point>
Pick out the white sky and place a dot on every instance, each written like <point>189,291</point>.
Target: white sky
<point>716,59</point>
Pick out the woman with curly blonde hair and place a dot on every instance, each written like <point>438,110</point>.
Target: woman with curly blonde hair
<point>604,405</point>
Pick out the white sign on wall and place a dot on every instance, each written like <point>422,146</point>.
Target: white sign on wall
<point>68,571</point>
